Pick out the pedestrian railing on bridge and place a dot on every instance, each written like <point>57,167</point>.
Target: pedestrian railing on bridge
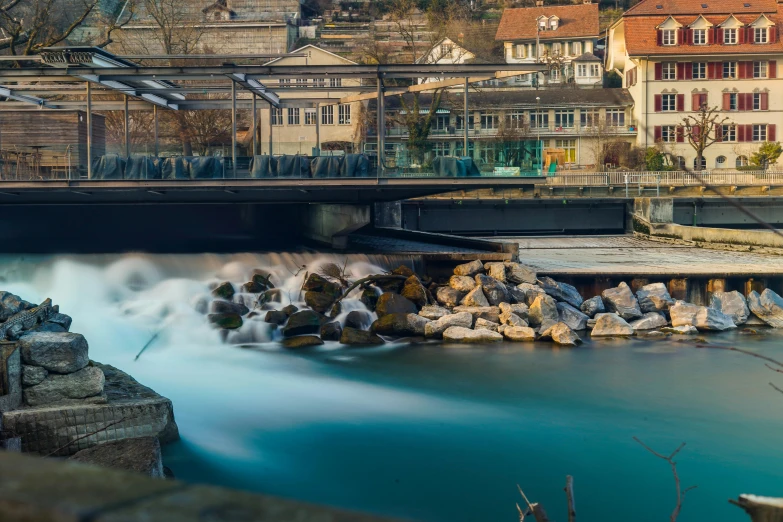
<point>633,180</point>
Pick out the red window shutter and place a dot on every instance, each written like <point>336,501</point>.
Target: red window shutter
<point>726,101</point>
<point>772,69</point>
<point>748,69</point>
<point>719,33</point>
<point>696,131</point>
<point>710,35</point>
<point>741,35</point>
<point>658,71</point>
<point>741,106</point>
<point>748,132</point>
<point>658,133</point>
<point>703,100</point>
<point>680,102</point>
<point>658,103</point>
<point>689,35</point>
<point>713,69</point>
<point>749,101</point>
<point>688,70</point>
<point>683,36</point>
<point>695,102</point>
<point>741,133</point>
<point>743,70</point>
<point>660,37</point>
<point>680,134</point>
<point>771,133</point>
<point>773,34</point>
<point>719,132</point>
<point>764,101</point>
<point>680,70</point>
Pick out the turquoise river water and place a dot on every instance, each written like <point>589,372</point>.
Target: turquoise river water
<point>427,432</point>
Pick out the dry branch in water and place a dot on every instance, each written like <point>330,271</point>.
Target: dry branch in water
<point>670,459</point>
<point>769,360</point>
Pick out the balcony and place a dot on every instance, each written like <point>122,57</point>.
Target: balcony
<point>524,133</point>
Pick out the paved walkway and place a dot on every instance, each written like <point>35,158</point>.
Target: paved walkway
<point>626,255</point>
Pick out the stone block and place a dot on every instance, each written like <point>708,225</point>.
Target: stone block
<point>57,352</point>
<point>140,455</point>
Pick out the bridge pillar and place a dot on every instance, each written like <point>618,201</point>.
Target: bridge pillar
<point>388,214</point>
<point>330,224</point>
<point>654,210</point>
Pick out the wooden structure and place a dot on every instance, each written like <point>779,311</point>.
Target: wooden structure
<point>48,144</point>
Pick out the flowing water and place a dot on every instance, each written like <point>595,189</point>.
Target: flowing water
<point>425,432</point>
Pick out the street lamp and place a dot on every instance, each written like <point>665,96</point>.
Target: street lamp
<point>538,136</point>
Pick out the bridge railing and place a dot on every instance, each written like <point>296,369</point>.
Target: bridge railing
<point>667,179</point>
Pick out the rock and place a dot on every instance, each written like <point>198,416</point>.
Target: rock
<point>449,297</point>
<point>274,295</point>
<point>45,327</point>
<point>681,330</point>
<point>485,325</point>
<point>317,283</point>
<point>519,309</point>
<point>650,333</point>
<point>490,313</point>
<point>262,278</point>
<point>703,318</point>
<point>252,287</point>
<point>531,292</point>
<point>404,271</point>
<point>572,316</point>
<point>32,375</point>
<point>226,321</point>
<point>289,310</point>
<point>470,269</point>
<point>370,297</point>
<point>227,307</point>
<point>591,323</point>
<point>355,337</point>
<point>84,383</point>
<point>768,307</point>
<point>650,321</point>
<point>224,291</point>
<point>622,301</point>
<point>516,295</point>
<point>331,331</point>
<point>732,304</point>
<point>277,317</point>
<point>437,327</point>
<point>462,283</point>
<point>302,323</point>
<point>753,320</point>
<point>390,303</point>
<point>319,301</point>
<point>11,304</point>
<point>561,334</point>
<point>509,318</point>
<point>496,271</point>
<point>140,455</point>
<point>434,312</point>
<point>359,319</point>
<point>494,290</point>
<point>459,334</point>
<point>475,297</point>
<point>561,291</point>
<point>61,320</point>
<point>593,306</point>
<point>414,291</point>
<point>543,310</point>
<point>654,298</point>
<point>400,325</point>
<point>519,333</point>
<point>611,325</point>
<point>517,274</point>
<point>302,341</point>
<point>56,352</point>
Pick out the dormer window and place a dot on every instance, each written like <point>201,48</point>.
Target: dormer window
<point>553,23</point>
<point>760,35</point>
<point>542,23</point>
<point>669,37</point>
<point>730,36</point>
<point>699,37</point>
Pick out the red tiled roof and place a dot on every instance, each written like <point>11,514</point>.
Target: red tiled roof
<point>575,21</point>
<point>694,7</point>
<point>641,36</point>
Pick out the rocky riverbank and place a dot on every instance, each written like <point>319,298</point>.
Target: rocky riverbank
<point>480,303</point>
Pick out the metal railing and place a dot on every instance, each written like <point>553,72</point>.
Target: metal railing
<point>529,132</point>
<point>667,178</point>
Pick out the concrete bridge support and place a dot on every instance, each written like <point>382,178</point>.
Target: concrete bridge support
<point>330,224</point>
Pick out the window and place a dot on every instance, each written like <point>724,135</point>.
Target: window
<point>284,82</point>
<point>487,153</point>
<point>595,70</point>
<point>577,48</point>
<point>277,116</point>
<point>703,162</point>
<point>581,70</point>
<point>668,134</point>
<point>515,120</point>
<point>293,116</point>
<point>589,118</point>
<point>669,37</point>
<point>615,117</point>
<point>759,133</point>
<point>539,119</point>
<point>569,146</point>
<point>557,48</point>
<point>728,133</point>
<point>729,36</point>
<point>564,119</point>
<point>760,35</point>
<point>335,82</point>
<point>489,120</point>
<point>699,71</point>
<point>459,150</point>
<point>445,50</point>
<point>729,70</point>
<point>699,37</point>
<point>759,69</point>
<point>756,101</point>
<point>311,116</point>
<point>669,70</point>
<point>742,161</point>
<point>554,75</point>
<point>301,82</point>
<point>319,82</point>
<point>461,122</point>
<point>521,50</point>
<point>668,102</point>
<point>440,148</point>
<point>343,114</point>
<point>327,115</point>
<point>440,122</point>
<point>720,162</point>
<point>733,101</point>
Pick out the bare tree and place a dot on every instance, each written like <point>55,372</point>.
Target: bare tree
<point>678,488</point>
<point>701,130</point>
<point>141,125</point>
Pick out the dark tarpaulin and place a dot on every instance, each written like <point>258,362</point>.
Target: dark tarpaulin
<point>293,166</point>
<point>327,166</point>
<point>110,166</point>
<point>263,167</point>
<point>142,167</point>
<point>451,167</point>
<point>175,168</point>
<point>355,166</point>
<point>206,167</point>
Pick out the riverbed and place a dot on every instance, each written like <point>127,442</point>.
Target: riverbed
<point>430,432</point>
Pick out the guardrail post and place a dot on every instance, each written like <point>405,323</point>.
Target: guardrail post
<point>381,121</point>
<point>234,126</point>
<point>89,130</point>
<point>626,185</point>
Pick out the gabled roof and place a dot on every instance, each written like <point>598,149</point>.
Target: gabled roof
<point>467,52</point>
<point>694,7</point>
<point>220,5</point>
<point>587,57</point>
<point>310,47</point>
<point>576,21</point>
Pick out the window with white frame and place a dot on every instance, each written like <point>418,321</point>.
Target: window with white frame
<point>441,148</point>
<point>343,114</point>
<point>293,116</point>
<point>742,161</point>
<point>327,115</point>
<point>489,120</point>
<point>515,119</point>
<point>699,70</point>
<point>581,70</point>
<point>728,133</point>
<point>277,116</point>
<point>539,119</point>
<point>564,118</point>
<point>521,51</point>
<point>446,50</point>
<point>668,102</point>
<point>311,116</point>
<point>668,134</point>
<point>284,82</point>
<point>756,101</point>
<point>760,132</point>
<point>595,70</point>
<point>760,69</point>
<point>440,122</point>
<point>589,118</point>
<point>730,36</point>
<point>720,162</point>
<point>459,149</point>
<point>669,37</point>
<point>733,97</point>
<point>554,75</point>
<point>557,48</point>
<point>577,48</point>
<point>760,35</point>
<point>669,70</point>
<point>699,37</point>
<point>319,82</point>
<point>729,70</point>
<point>335,82</point>
<point>569,146</point>
<point>487,152</point>
<point>615,117</point>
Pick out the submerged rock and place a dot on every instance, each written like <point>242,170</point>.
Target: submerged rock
<point>331,331</point>
<point>139,455</point>
<point>436,328</point>
<point>390,303</point>
<point>571,316</point>
<point>650,321</point>
<point>302,323</point>
<point>611,325</point>
<point>462,283</point>
<point>519,333</point>
<point>561,291</point>
<point>470,269</point>
<point>458,334</point>
<point>400,325</point>
<point>449,297</point>
<point>622,301</point>
<point>732,304</point>
<point>543,311</point>
<point>227,307</point>
<point>55,389</point>
<point>355,337</point>
<point>302,341</point>
<point>226,321</point>
<point>434,312</point>
<point>56,352</point>
<point>681,330</point>
<point>494,290</point>
<point>561,334</point>
<point>359,319</point>
<point>768,307</point>
<point>654,298</point>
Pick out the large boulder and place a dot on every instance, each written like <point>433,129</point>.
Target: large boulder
<point>400,325</point>
<point>226,321</point>
<point>317,283</point>
<point>355,337</point>
<point>531,292</point>
<point>768,307</point>
<point>436,328</point>
<point>561,291</point>
<point>475,297</point>
<point>470,269</point>
<point>650,321</point>
<point>223,291</point>
<point>543,311</point>
<point>702,317</point>
<point>572,316</point>
<point>611,325</point>
<point>593,306</point>
<point>621,300</point>
<point>32,375</point>
<point>490,313</point>
<point>302,341</point>
<point>732,304</point>
<point>305,322</point>
<point>321,302</point>
<point>139,455</point>
<point>519,309</point>
<point>434,312</point>
<point>494,290</point>
<point>458,334</point>
<point>519,333</point>
<point>414,291</point>
<point>56,352</point>
<point>11,304</point>
<point>370,297</point>
<point>483,324</point>
<point>449,297</point>
<point>277,317</point>
<point>219,306</point>
<point>56,389</point>
<point>516,295</point>
<point>390,303</point>
<point>654,298</point>
<point>496,271</point>
<point>462,283</point>
<point>359,319</point>
<point>331,331</point>
<point>561,334</point>
<point>516,273</point>
<point>509,318</point>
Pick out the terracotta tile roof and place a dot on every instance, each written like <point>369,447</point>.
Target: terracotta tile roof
<point>694,7</point>
<point>575,21</point>
<point>641,36</point>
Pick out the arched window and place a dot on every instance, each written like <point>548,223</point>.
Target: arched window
<point>742,161</point>
<point>696,163</point>
<point>720,162</point>
<point>681,162</point>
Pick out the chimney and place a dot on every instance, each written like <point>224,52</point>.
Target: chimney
<point>539,3</point>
